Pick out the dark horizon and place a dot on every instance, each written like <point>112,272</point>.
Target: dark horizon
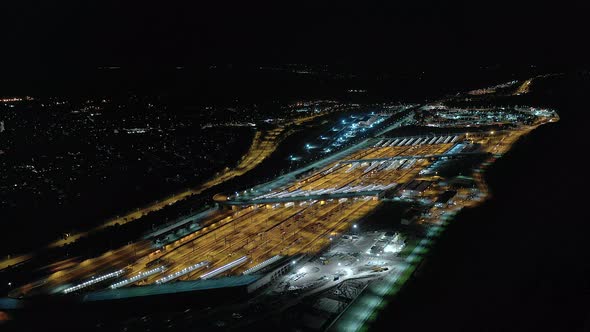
<point>151,34</point>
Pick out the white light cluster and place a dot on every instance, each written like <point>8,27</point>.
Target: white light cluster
<point>326,191</point>
<point>94,281</point>
<point>181,272</point>
<point>224,268</point>
<point>416,141</point>
<point>263,264</point>
<point>138,277</point>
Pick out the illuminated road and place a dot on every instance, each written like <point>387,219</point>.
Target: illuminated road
<point>14,260</point>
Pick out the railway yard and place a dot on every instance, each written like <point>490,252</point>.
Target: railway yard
<point>319,220</point>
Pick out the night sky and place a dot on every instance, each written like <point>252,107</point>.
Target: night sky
<point>80,33</point>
